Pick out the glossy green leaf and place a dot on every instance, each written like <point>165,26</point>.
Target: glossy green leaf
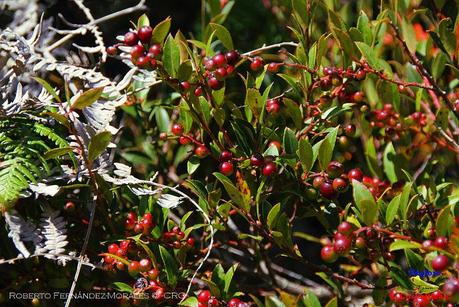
<point>365,203</point>
<point>402,244</point>
<point>87,98</point>
<point>169,265</point>
<point>232,190</point>
<point>392,209</point>
<point>305,154</point>
<point>445,222</point>
<point>223,35</point>
<point>171,56</point>
<point>161,30</point>
<point>290,143</point>
<point>143,21</point>
<point>327,147</point>
<point>98,144</point>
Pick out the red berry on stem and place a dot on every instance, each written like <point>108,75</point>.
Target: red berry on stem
<point>145,265</point>
<point>138,228</point>
<point>156,50</point>
<point>256,160</point>
<point>440,263</point>
<point>232,57</point>
<point>335,169</point>
<point>214,83</point>
<point>436,295</point>
<point>345,228</point>
<point>177,129</point>
<point>204,296</point>
<point>317,181</point>
<point>226,168</point>
<point>441,242</point>
<point>137,51</point>
<point>421,300</point>
<point>144,34</point>
<point>355,174</point>
<point>111,50</point>
<point>201,151</point>
<point>360,75</point>
<point>326,190</point>
<point>360,242</point>
<point>219,60</point>
<point>226,156</point>
<point>339,185</point>
<point>277,144</point>
<point>257,64</point>
<point>327,253</point>
<point>213,302</point>
<point>342,245</point>
<point>113,248</point>
<point>130,38</point>
<point>129,224</point>
<point>234,302</point>
<point>220,73</point>
<point>125,244</point>
<point>209,65</point>
<point>190,241</point>
<point>269,169</point>
<point>153,274</point>
<point>183,140</point>
<point>198,91</point>
<point>274,67</point>
<point>185,85</point>
<point>134,267</point>
<point>272,106</point>
<point>142,61</point>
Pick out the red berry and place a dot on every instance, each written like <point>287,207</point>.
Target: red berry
<point>121,252</point>
<point>441,242</point>
<point>342,245</point>
<point>145,265</point>
<point>274,67</point>
<point>345,228</point>
<point>177,129</point>
<point>209,65</point>
<point>327,253</point>
<point>440,263</point>
<point>257,64</point>
<point>159,293</point>
<point>430,233</point>
<point>201,151</point>
<point>272,106</point>
<point>137,51</point>
<point>142,61</point>
<point>360,75</point>
<point>233,302</point>
<point>138,228</point>
<point>339,185</point>
<point>134,267</point>
<point>69,206</point>
<point>176,229</point>
<point>176,244</point>
<point>120,266</point>
<point>190,241</point>
<point>436,295</point>
<point>113,248</point>
<point>226,168</point>
<point>213,302</point>
<point>153,274</point>
<point>326,190</point>
<point>148,216</point>
<point>130,38</point>
<point>232,57</point>
<point>421,300</point>
<point>358,96</point>
<point>219,60</point>
<point>183,140</point>
<point>360,242</point>
<point>108,259</point>
<point>269,169</point>
<point>214,83</point>
<point>111,50</point>
<point>144,34</point>
<point>226,156</point>
<point>220,73</point>
<point>335,169</point>
<point>147,224</point>
<point>129,224</point>
<point>427,244</point>
<point>349,130</point>
<point>156,50</point>
<point>397,297</point>
<point>317,181</point>
<point>355,174</point>
<point>451,287</point>
<point>276,144</point>
<point>203,296</point>
<point>198,91</point>
<point>256,160</point>
<point>185,85</point>
<point>153,62</point>
<point>125,244</point>
<point>229,70</point>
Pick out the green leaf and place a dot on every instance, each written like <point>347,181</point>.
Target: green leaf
<point>171,56</point>
<point>161,30</point>
<point>121,286</point>
<point>445,222</point>
<point>305,154</point>
<point>300,8</point>
<point>229,278</point>
<point>447,35</point>
<point>372,58</point>
<point>392,209</point>
<point>423,286</point>
<point>401,278</point>
<point>365,203</point>
<point>57,152</point>
<point>290,142</point>
<point>98,144</point>
<point>402,244</point>
<point>232,191</point>
<point>190,302</point>
<point>404,200</point>
<point>169,265</point>
<point>345,43</point>
<point>327,147</point>
<point>272,215</point>
<point>389,163</point>
<point>364,27</point>
<point>143,21</point>
<point>333,302</point>
<point>438,65</point>
<point>310,300</point>
<point>193,164</point>
<point>294,111</point>
<point>372,160</point>
<point>49,88</point>
<point>87,98</point>
<point>223,35</point>
<point>162,119</point>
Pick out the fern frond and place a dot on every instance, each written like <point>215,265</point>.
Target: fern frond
<point>54,232</point>
<point>21,231</point>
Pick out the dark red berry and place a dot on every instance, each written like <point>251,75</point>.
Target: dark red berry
<point>145,265</point>
<point>137,51</point>
<point>328,254</point>
<point>213,302</point>
<point>125,244</point>
<point>183,140</point>
<point>209,64</point>
<point>134,267</point>
<point>232,57</point>
<point>440,263</point>
<point>108,259</point>
<point>355,174</point>
<point>219,60</point>
<point>396,296</point>
<point>436,295</point>
<point>204,296</point>
<point>130,38</point>
<point>335,169</point>
<point>198,91</point>
<point>113,248</point>
<point>153,63</point>
<point>69,206</point>
<point>326,190</point>
<point>257,64</point>
<point>451,287</point>
<point>430,233</point>
<point>349,130</point>
<point>421,300</point>
<point>342,245</point>
<point>317,181</point>
<point>111,50</point>
<point>129,224</point>
<point>177,129</point>
<point>269,169</point>
<point>156,50</point>
<point>142,61</point>
<point>360,75</point>
<point>132,216</point>
<point>272,106</point>
<point>190,241</point>
<point>441,242</point>
<point>226,168</point>
<point>144,34</point>
<point>220,73</point>
<point>185,85</point>
<point>214,83</point>
<point>233,302</point>
<point>201,151</point>
<point>256,160</point>
<point>226,156</point>
<point>153,274</point>
<point>345,228</point>
<point>340,185</point>
<point>358,96</point>
<point>138,228</point>
<point>229,70</point>
<point>274,67</point>
<point>360,242</point>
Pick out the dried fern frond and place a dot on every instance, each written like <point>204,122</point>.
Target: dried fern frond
<point>53,229</point>
<point>21,231</point>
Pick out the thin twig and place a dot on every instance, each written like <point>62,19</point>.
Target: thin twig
<point>66,257</point>
<point>267,47</point>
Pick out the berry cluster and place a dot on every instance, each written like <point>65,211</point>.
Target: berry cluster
<point>440,262</point>
<point>218,68</point>
<point>332,182</point>
<point>201,151</point>
<point>418,299</point>
<point>386,118</point>
<point>375,185</point>
<point>143,225</point>
<point>205,298</point>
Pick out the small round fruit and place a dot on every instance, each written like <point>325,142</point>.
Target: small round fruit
<point>257,64</point>
<point>441,242</point>
<point>137,51</point>
<point>328,254</point>
<point>69,206</point>
<point>355,174</point>
<point>145,265</point>
<point>226,168</point>
<point>225,156</point>
<point>269,169</point>
<point>397,297</point>
<point>156,50</point>
<point>185,86</point>
<point>274,67</point>
<point>219,60</point>
<point>340,185</point>
<point>198,91</point>
<point>349,130</point>
<point>436,295</point>
<point>342,246</point>
<point>360,242</point>
<point>317,181</point>
<point>358,96</point>
<point>360,75</point>
<point>177,129</point>
<point>421,300</point>
<point>201,151</point>
<point>451,287</point>
<point>183,140</point>
<point>234,302</point>
<point>144,34</point>
<point>204,296</point>
<point>129,224</point>
<point>213,302</point>
<point>335,169</point>
<point>232,57</point>
<point>190,241</point>
<point>256,160</point>
<point>440,263</point>
<point>111,50</point>
<point>130,39</point>
<point>153,274</point>
<point>142,62</point>
<point>209,65</point>
<point>272,106</point>
<point>345,228</point>
<point>113,248</point>
<point>326,190</point>
<point>134,267</point>
<point>214,83</point>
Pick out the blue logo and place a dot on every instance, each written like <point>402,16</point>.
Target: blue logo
<point>422,274</point>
